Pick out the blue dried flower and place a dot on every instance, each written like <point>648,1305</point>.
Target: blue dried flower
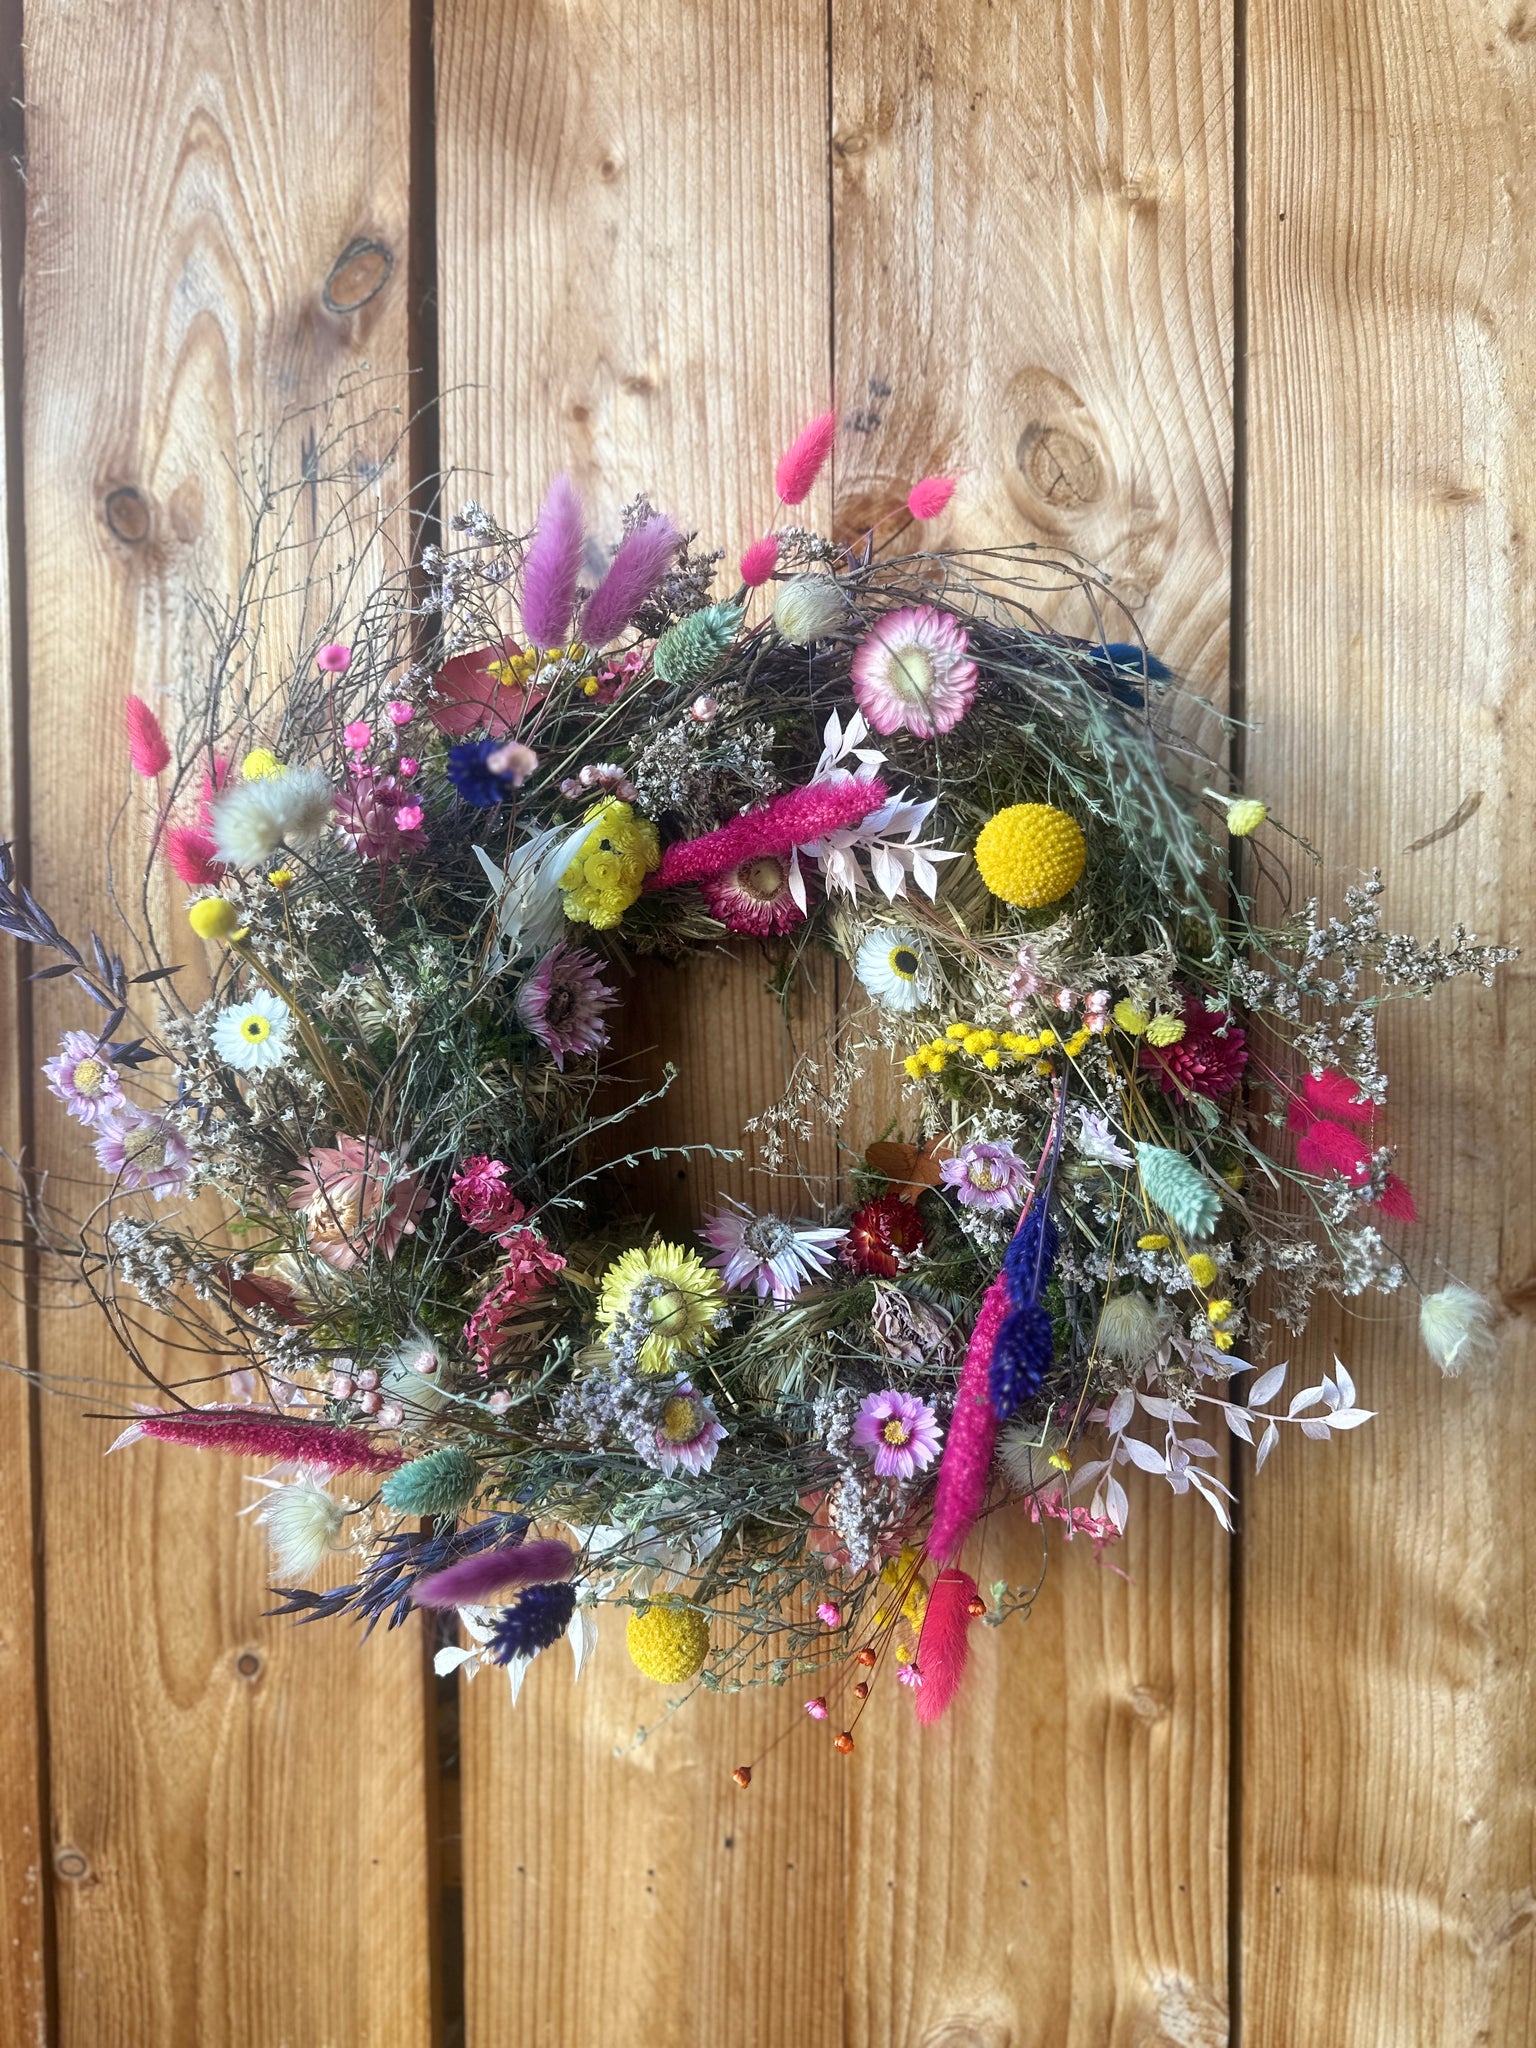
<point>472,776</point>
<point>530,1623</point>
<point>1031,1253</point>
<point>1021,1358</point>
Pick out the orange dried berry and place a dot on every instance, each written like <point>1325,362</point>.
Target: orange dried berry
<point>866,1655</point>
<point>743,1775</point>
<point>844,1743</point>
<point>975,1607</point>
<point>861,1690</point>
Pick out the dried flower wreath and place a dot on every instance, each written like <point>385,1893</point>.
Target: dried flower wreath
<point>423,842</point>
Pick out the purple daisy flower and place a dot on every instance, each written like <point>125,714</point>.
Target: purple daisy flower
<point>985,1175</point>
<point>900,1429</point>
<point>84,1079</point>
<point>144,1152</point>
<point>766,1253</point>
<point>563,1000</point>
<point>688,1434</point>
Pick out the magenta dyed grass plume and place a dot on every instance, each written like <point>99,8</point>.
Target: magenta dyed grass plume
<point>793,819</point>
<point>147,748</point>
<point>943,1644</point>
<point>760,561</point>
<point>801,463</point>
<point>967,1458</point>
<point>928,497</point>
<point>643,558</point>
<point>325,1446</point>
<point>475,1580</point>
<point>553,565</point>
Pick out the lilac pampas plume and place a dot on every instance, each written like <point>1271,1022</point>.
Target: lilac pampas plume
<point>643,558</point>
<point>147,749</point>
<point>552,566</point>
<point>475,1580</point>
<point>325,1446</point>
<point>801,462</point>
<point>967,1458</point>
<point>793,819</point>
<point>943,1643</point>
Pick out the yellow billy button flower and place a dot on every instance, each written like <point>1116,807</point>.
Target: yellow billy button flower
<point>1203,1269</point>
<point>667,1641</point>
<point>1031,854</point>
<point>1165,1029</point>
<point>1131,1017</point>
<point>214,918</point>
<point>260,765</point>
<point>1246,815</point>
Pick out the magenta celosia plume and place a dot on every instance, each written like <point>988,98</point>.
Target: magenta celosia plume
<point>552,566</point>
<point>760,561</point>
<point>324,1446</point>
<point>793,819</point>
<point>943,1643</point>
<point>801,463</point>
<point>474,1580</point>
<point>643,558</point>
<point>147,748</point>
<point>967,1459</point>
<point>927,498</point>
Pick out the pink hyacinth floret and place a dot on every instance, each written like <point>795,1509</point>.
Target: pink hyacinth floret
<point>900,1430</point>
<point>912,671</point>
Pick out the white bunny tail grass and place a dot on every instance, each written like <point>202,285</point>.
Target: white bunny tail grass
<point>1457,1327</point>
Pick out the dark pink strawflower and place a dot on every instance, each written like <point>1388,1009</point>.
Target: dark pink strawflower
<point>552,565</point>
<point>482,1197</point>
<point>148,752</point>
<point>398,712</point>
<point>754,899</point>
<point>801,463</point>
<point>323,1446</point>
<point>562,1001</point>
<point>1208,1060</point>
<point>358,736</point>
<point>793,819</point>
<point>191,856</point>
<point>378,819</point>
<point>334,659</point>
<point>927,498</point>
<point>531,1269</point>
<point>760,561</point>
<point>475,1581</point>
<point>642,559</point>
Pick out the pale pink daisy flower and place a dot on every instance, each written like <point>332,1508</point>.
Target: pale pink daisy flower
<point>901,1430</point>
<point>768,1254</point>
<point>562,1002</point>
<point>144,1152</point>
<point>913,670</point>
<point>688,1434</point>
<point>355,1199</point>
<point>84,1079</point>
<point>985,1175</point>
<point>754,897</point>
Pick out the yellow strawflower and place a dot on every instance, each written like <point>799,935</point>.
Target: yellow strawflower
<point>667,1641</point>
<point>1131,1017</point>
<point>1031,854</point>
<point>670,1293</point>
<point>610,866</point>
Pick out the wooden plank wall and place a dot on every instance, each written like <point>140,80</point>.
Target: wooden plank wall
<point>1281,1788</point>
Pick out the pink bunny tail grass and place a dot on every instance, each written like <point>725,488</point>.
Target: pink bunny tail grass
<point>760,561</point>
<point>802,461</point>
<point>967,1457</point>
<point>147,748</point>
<point>552,566</point>
<point>475,1580</point>
<point>793,819</point>
<point>326,1446</point>
<point>928,497</point>
<point>1331,1093</point>
<point>943,1644</point>
<point>643,558</point>
<point>190,853</point>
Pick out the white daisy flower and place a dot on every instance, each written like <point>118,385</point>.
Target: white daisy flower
<point>893,962</point>
<point>254,818</point>
<point>253,1036</point>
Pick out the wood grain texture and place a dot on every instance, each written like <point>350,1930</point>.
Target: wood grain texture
<point>1032,266</point>
<point>634,279</point>
<point>1389,1857</point>
<point>238,1807</point>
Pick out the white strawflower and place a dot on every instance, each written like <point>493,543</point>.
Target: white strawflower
<point>892,963</point>
<point>1131,1328</point>
<point>254,819</point>
<point>303,1523</point>
<point>1457,1327</point>
<point>253,1036</point>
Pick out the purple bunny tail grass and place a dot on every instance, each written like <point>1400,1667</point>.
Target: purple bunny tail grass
<point>326,1446</point>
<point>643,558</point>
<point>475,1580</point>
<point>968,1448</point>
<point>552,566</point>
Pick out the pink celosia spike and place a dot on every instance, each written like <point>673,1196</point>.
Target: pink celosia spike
<point>552,566</point>
<point>147,749</point>
<point>1334,1094</point>
<point>760,561</point>
<point>943,1644</point>
<point>927,498</point>
<point>801,462</point>
<point>642,559</point>
<point>793,819</point>
<point>326,1446</point>
<point>474,1580</point>
<point>190,853</point>
<point>967,1456</point>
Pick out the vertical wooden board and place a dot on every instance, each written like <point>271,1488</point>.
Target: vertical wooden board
<point>1389,1856</point>
<point>634,285</point>
<point>239,1808</point>
<point>1032,269</point>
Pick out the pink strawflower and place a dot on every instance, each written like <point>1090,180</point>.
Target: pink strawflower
<point>530,1269</point>
<point>829,1614</point>
<point>322,1446</point>
<point>334,658</point>
<point>928,497</point>
<point>1208,1060</point>
<point>562,1002</point>
<point>407,766</point>
<point>793,819</point>
<point>598,778</point>
<point>816,1708</point>
<point>760,561</point>
<point>754,898</point>
<point>378,819</point>
<point>901,1430</point>
<point>356,1200</point>
<point>641,560</point>
<point>398,712</point>
<point>358,736</point>
<point>478,691</point>
<point>801,463</point>
<point>148,752</point>
<point>144,1152</point>
<point>1024,983</point>
<point>987,1175</point>
<point>552,565</point>
<point>482,1197</point>
<point>688,1434</point>
<point>513,760</point>
<point>84,1079</point>
<point>912,670</point>
<point>408,818</point>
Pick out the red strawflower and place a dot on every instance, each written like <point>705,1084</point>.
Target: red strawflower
<point>883,1237</point>
<point>1208,1060</point>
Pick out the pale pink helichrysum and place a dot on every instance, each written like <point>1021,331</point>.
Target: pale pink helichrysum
<point>913,670</point>
<point>355,1200</point>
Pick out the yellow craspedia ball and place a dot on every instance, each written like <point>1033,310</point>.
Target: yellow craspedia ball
<point>1203,1269</point>
<point>1031,854</point>
<point>1245,816</point>
<point>260,765</point>
<point>214,917</point>
<point>667,1641</point>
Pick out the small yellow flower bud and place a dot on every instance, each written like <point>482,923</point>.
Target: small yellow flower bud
<point>1245,816</point>
<point>282,878</point>
<point>1154,1241</point>
<point>991,1061</point>
<point>1202,1269</point>
<point>914,1067</point>
<point>1059,1462</point>
<point>589,686</point>
<point>1222,1340</point>
<point>214,917</point>
<point>1217,1311</point>
<point>957,1031</point>
<point>260,765</point>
